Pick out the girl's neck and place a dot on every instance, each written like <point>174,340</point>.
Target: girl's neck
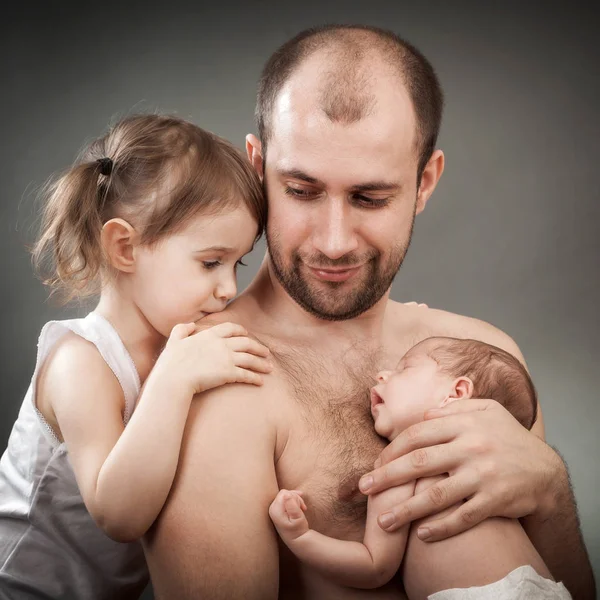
<point>141,340</point>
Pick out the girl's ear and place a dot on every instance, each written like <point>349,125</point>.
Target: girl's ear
<point>461,388</point>
<point>119,239</point>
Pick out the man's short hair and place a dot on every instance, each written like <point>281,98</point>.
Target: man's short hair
<point>349,103</point>
<point>495,374</point>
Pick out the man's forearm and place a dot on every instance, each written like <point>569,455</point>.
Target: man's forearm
<point>556,535</point>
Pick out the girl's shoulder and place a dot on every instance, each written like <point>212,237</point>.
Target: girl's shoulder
<point>74,374</point>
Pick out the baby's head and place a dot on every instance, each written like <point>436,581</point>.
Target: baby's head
<point>440,370</point>
<point>158,207</point>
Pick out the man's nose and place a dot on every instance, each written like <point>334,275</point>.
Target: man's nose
<point>335,233</point>
<point>383,376</point>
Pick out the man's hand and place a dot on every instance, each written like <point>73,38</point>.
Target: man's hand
<point>495,465</point>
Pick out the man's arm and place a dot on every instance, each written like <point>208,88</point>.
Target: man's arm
<point>214,538</point>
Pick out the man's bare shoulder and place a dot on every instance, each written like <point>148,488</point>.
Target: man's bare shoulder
<point>429,322</point>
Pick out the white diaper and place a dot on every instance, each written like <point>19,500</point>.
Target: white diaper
<point>521,584</point>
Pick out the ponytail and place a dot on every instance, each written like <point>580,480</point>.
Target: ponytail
<point>71,228</point>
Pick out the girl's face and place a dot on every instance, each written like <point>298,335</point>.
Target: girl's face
<point>193,272</point>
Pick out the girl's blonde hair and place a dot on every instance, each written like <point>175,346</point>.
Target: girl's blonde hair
<point>154,171</point>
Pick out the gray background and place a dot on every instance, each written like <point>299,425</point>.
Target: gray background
<point>510,236</point>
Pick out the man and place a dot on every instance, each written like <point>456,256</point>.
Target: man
<point>348,121</point>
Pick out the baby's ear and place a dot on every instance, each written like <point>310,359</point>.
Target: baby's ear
<point>461,388</point>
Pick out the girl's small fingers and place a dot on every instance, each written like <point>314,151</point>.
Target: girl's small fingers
<point>246,344</point>
<point>245,376</point>
<point>249,361</point>
<point>181,331</point>
<point>226,330</point>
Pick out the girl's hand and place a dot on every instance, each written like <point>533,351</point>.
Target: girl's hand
<point>212,357</point>
<point>287,514</point>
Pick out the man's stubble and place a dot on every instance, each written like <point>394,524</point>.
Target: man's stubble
<point>337,301</point>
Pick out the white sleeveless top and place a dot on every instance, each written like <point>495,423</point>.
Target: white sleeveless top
<point>50,547</point>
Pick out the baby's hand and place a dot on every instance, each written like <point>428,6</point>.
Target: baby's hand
<point>213,357</point>
<point>287,514</point>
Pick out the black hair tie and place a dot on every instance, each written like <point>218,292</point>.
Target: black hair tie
<point>106,166</point>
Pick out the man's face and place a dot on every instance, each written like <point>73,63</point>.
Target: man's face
<point>342,199</point>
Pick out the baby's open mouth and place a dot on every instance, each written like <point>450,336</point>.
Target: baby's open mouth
<point>375,398</point>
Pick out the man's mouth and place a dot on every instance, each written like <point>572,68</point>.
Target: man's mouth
<point>334,273</point>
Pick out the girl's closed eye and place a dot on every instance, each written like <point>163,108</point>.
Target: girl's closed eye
<point>210,264</point>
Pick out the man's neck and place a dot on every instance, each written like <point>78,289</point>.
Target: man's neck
<point>284,315</point>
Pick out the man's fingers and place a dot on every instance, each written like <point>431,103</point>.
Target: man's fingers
<point>441,495</point>
<point>246,344</point>
<point>228,329</point>
<point>420,435</point>
<point>461,406</point>
<point>464,517</point>
<point>249,361</point>
<point>422,462</point>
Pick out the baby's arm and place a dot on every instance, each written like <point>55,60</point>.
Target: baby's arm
<point>125,474</point>
<point>365,565</point>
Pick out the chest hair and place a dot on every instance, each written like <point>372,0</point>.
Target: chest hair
<point>333,398</point>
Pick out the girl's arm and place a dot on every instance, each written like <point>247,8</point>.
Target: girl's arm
<point>365,565</point>
<point>125,473</point>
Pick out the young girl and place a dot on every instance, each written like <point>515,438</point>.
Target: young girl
<point>155,216</point>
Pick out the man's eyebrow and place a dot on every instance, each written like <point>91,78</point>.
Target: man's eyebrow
<point>298,174</point>
<point>369,186</point>
<point>376,186</point>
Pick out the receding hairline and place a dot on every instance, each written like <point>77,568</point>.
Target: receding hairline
<point>346,43</point>
<point>352,61</point>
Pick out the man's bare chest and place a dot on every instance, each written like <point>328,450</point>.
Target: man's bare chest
<point>330,440</point>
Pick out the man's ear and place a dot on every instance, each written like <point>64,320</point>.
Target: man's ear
<point>461,388</point>
<point>254,152</point>
<point>119,239</point>
<point>429,179</point>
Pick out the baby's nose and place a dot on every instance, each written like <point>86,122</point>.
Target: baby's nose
<point>383,376</point>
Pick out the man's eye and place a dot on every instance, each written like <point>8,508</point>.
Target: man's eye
<point>298,193</point>
<point>371,202</point>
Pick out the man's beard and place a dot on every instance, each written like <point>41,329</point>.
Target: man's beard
<point>323,302</point>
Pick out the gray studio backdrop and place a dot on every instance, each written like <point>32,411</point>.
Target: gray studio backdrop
<point>510,236</point>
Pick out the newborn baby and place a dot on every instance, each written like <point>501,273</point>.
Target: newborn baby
<point>431,374</point>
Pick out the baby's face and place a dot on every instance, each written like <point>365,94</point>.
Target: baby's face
<point>404,394</point>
